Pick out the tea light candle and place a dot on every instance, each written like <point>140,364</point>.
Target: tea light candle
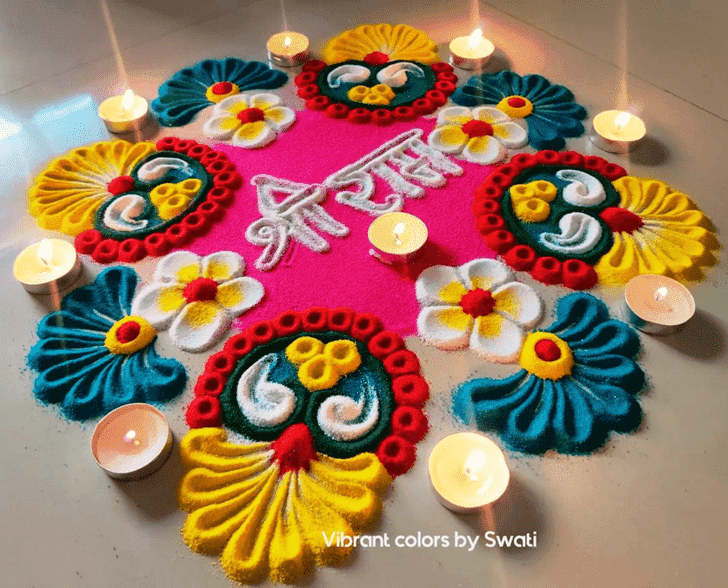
<point>397,237</point>
<point>467,472</point>
<point>658,305</point>
<point>288,49</point>
<point>471,52</point>
<point>50,263</point>
<point>617,131</point>
<point>132,441</point>
<point>123,114</point>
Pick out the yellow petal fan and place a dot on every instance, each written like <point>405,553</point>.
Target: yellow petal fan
<point>397,42</point>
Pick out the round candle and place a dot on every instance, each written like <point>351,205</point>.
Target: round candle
<point>658,305</point>
<point>617,131</point>
<point>288,49</point>
<point>471,52</point>
<point>50,262</point>
<point>397,236</point>
<point>467,472</point>
<point>131,441</point>
<point>123,114</point>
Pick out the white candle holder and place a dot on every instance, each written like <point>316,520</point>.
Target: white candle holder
<point>124,114</point>
<point>617,131</point>
<point>132,441</point>
<point>471,52</point>
<point>288,49</point>
<point>50,264</point>
<point>658,305</point>
<point>397,237</point>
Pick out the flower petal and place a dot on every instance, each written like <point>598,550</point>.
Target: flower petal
<point>510,134</point>
<point>455,115</point>
<point>484,150</point>
<point>577,314</point>
<point>159,303</point>
<point>495,338</point>
<point>491,401</point>
<point>529,427</point>
<point>240,294</point>
<point>199,326</point>
<point>448,139</point>
<point>222,266</point>
<point>280,118</point>
<point>490,114</point>
<point>254,135</point>
<point>486,274</point>
<point>446,327</point>
<point>231,105</point>
<point>179,266</point>
<point>439,285</point>
<point>264,101</point>
<point>221,127</point>
<point>519,303</point>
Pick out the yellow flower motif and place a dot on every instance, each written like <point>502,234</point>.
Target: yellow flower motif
<point>380,94</point>
<point>171,199</point>
<point>397,42</point>
<point>669,237</point>
<point>531,200</point>
<point>268,517</point>
<point>66,195</point>
<point>321,367</point>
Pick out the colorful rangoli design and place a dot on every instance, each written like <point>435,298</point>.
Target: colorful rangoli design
<point>208,82</point>
<point>124,201</point>
<point>95,355</point>
<point>377,74</point>
<point>330,407</point>
<point>548,109</point>
<point>578,220</point>
<point>578,383</point>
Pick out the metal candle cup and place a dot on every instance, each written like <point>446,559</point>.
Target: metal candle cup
<point>48,264</point>
<point>288,49</point>
<point>467,472</point>
<point>472,52</point>
<point>124,114</point>
<point>132,441</point>
<point>658,305</point>
<point>616,131</point>
<point>397,237</point>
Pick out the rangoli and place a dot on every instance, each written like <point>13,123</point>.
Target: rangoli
<point>377,74</point>
<point>578,383</point>
<point>476,304</point>
<point>197,298</point>
<point>124,201</point>
<point>320,409</point>
<point>578,220</point>
<point>94,355</point>
<point>548,109</point>
<point>209,82</point>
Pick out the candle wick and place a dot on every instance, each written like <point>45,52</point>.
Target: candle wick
<point>398,232</point>
<point>660,294</point>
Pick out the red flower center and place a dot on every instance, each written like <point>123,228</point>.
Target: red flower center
<point>477,128</point>
<point>376,58</point>
<point>294,449</point>
<point>621,220</point>
<point>547,350</point>
<point>516,102</point>
<point>200,290</point>
<point>222,88</point>
<point>128,332</point>
<point>251,115</point>
<point>477,302</point>
<point>120,185</point>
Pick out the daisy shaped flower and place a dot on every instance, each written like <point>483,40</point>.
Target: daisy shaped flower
<point>476,304</point>
<point>548,109</point>
<point>251,121</point>
<point>578,383</point>
<point>198,297</point>
<point>480,135</point>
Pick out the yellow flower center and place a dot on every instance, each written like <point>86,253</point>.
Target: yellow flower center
<point>218,92</point>
<point>516,106</point>
<point>547,356</point>
<point>129,335</point>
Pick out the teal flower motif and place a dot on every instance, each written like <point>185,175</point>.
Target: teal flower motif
<point>548,109</point>
<point>577,384</point>
<point>92,356</point>
<point>208,82</point>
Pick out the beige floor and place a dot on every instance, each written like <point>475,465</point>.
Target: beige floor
<point>647,511</point>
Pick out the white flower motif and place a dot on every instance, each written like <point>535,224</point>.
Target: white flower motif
<point>476,304</point>
<point>251,121</point>
<point>480,135</point>
<point>198,297</point>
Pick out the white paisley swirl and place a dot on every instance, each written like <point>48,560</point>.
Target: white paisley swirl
<point>340,417</point>
<point>348,73</point>
<point>580,233</point>
<point>395,75</point>
<point>121,215</point>
<point>264,403</point>
<point>157,168</point>
<point>583,189</point>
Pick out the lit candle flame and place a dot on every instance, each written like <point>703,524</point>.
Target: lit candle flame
<point>287,42</point>
<point>130,438</point>
<point>398,232</point>
<point>660,294</point>
<point>474,463</point>
<point>622,120</point>
<point>475,38</point>
<point>127,101</point>
<point>45,252</point>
